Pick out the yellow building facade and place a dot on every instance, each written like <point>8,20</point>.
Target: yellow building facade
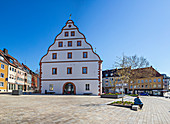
<point>3,75</point>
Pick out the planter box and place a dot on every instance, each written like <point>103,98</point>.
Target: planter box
<point>111,96</point>
<point>16,92</point>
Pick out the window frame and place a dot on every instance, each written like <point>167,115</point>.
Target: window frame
<point>87,87</point>
<point>1,75</point>
<point>66,33</point>
<point>51,87</point>
<point>59,44</point>
<point>68,55</point>
<point>55,71</point>
<point>72,32</point>
<point>2,83</point>
<point>2,65</point>
<point>69,42</point>
<point>53,55</point>
<point>86,54</point>
<point>78,42</point>
<point>70,70</point>
<point>86,70</point>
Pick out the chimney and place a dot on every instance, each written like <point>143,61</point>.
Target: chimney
<point>5,51</point>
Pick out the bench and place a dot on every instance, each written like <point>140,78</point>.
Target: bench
<point>135,107</point>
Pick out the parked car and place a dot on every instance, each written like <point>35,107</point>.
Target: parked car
<point>144,94</point>
<point>167,95</point>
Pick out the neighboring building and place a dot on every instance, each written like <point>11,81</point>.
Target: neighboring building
<point>3,73</point>
<point>166,83</point>
<point>152,84</point>
<point>28,77</point>
<point>112,83</point>
<point>17,78</point>
<point>70,65</point>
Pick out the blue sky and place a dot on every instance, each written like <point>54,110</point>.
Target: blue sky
<point>113,27</point>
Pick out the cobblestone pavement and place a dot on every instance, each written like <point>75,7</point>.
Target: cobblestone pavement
<point>47,109</point>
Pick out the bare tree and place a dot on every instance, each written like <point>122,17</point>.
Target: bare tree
<point>130,68</point>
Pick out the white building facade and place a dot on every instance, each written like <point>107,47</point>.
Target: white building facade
<point>70,65</point>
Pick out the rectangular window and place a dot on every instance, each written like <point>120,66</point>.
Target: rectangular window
<point>12,69</point>
<point>150,81</point>
<point>51,87</point>
<point>87,86</point>
<point>142,86</point>
<point>2,66</point>
<point>66,34</point>
<point>84,70</point>
<point>84,54</point>
<point>54,70</point>
<point>78,43</point>
<point>142,81</point>
<point>54,55</point>
<point>138,81</point>
<point>2,75</point>
<point>154,80</point>
<point>69,55</point>
<point>138,86</point>
<point>72,33</point>
<point>135,86</point>
<point>131,86</point>
<point>69,43</point>
<point>159,80</point>
<point>69,70</point>
<point>146,81</point>
<point>1,84</point>
<point>60,44</point>
<point>159,85</point>
<point>154,86</point>
<point>146,86</point>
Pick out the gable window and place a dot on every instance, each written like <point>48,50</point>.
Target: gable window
<point>2,66</point>
<point>1,84</point>
<point>60,44</point>
<point>69,26</point>
<point>69,43</point>
<point>54,70</point>
<point>69,70</point>
<point>78,43</point>
<point>54,55</point>
<point>66,34</point>
<point>72,33</point>
<point>69,55</point>
<point>2,75</point>
<point>87,86</point>
<point>84,54</point>
<point>84,70</point>
<point>51,87</point>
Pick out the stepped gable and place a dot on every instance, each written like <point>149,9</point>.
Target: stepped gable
<point>70,26</point>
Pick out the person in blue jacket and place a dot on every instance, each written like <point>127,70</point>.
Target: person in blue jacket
<point>137,101</point>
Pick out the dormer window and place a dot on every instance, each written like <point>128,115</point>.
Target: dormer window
<point>78,43</point>
<point>66,34</point>
<point>72,33</point>
<point>11,61</point>
<point>1,58</point>
<point>69,43</point>
<point>60,44</point>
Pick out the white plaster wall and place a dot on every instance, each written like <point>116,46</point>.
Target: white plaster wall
<point>10,72</point>
<point>77,55</point>
<point>80,86</point>
<point>92,68</point>
<point>74,44</point>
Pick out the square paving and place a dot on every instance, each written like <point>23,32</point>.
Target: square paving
<point>33,109</point>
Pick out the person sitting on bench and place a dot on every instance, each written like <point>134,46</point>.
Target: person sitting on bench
<point>138,102</point>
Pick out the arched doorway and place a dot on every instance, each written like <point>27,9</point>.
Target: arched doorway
<point>69,88</point>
